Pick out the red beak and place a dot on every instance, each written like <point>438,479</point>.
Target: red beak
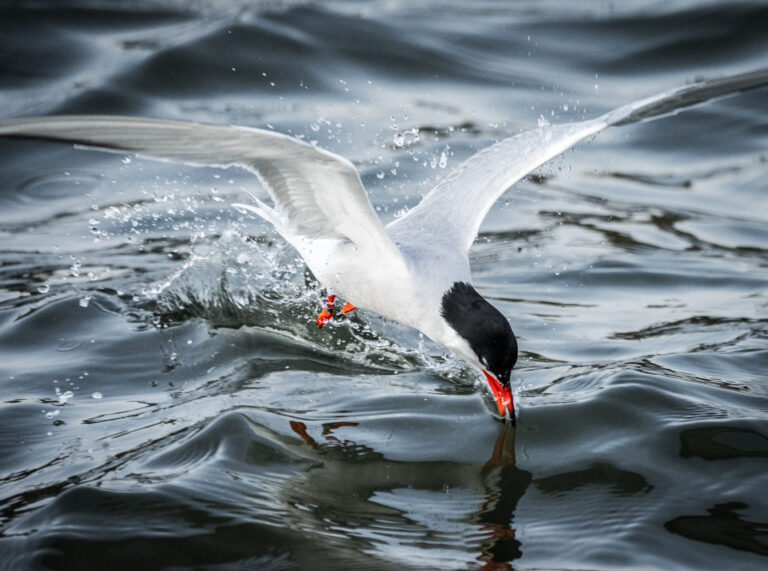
<point>503,396</point>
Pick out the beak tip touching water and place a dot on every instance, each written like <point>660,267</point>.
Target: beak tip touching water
<point>502,394</point>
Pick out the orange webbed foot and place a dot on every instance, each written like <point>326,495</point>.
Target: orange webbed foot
<point>347,308</point>
<point>327,312</point>
<point>323,318</point>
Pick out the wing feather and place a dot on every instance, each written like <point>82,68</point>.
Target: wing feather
<point>316,194</point>
<point>456,207</point>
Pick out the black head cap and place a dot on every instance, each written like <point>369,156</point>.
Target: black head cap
<point>483,326</point>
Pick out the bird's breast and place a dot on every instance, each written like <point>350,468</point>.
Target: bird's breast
<point>408,290</point>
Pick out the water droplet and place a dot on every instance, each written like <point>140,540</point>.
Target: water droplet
<point>96,395</point>
<point>407,137</point>
<point>45,288</point>
<point>64,397</point>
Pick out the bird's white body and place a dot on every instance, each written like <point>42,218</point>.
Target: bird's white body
<point>406,286</point>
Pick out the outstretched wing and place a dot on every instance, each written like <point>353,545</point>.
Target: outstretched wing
<point>316,194</point>
<point>456,207</point>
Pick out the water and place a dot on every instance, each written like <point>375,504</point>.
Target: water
<point>166,401</point>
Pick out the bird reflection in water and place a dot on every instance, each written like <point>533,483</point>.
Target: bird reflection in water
<point>443,506</point>
<point>505,484</point>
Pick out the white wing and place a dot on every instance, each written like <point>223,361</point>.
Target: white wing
<point>456,207</point>
<point>316,194</point>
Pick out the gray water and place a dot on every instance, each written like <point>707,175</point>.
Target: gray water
<point>166,401</point>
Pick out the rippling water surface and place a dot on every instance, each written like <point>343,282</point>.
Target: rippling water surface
<point>166,401</point>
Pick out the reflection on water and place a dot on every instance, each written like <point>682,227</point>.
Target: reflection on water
<point>724,526</point>
<point>237,479</point>
<point>723,443</point>
<point>435,512</point>
<point>506,484</point>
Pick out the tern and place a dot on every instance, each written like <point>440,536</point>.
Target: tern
<point>414,270</point>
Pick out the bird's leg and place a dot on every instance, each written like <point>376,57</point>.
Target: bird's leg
<point>301,429</point>
<point>327,312</point>
<point>347,308</point>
